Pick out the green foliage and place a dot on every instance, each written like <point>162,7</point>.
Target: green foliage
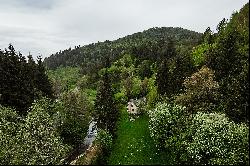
<point>33,140</point>
<point>152,94</point>
<point>229,58</point>
<point>103,142</point>
<point>75,117</point>
<point>208,36</point>
<point>144,69</point>
<point>136,87</point>
<point>41,80</point>
<point>21,81</point>
<point>181,67</point>
<point>198,54</point>
<point>121,98</point>
<point>127,87</point>
<point>172,69</point>
<point>8,131</point>
<point>164,121</point>
<point>216,140</point>
<point>91,95</point>
<point>64,79</point>
<point>201,91</point>
<point>105,113</point>
<point>162,78</point>
<point>104,138</point>
<point>141,105</point>
<point>144,45</point>
<point>83,82</point>
<point>126,61</point>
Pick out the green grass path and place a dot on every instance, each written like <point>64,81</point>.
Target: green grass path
<point>134,144</point>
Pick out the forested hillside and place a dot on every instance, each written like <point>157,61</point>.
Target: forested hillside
<point>147,45</point>
<point>92,55</point>
<point>165,96</point>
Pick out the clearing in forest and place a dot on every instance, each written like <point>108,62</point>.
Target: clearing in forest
<point>134,144</point>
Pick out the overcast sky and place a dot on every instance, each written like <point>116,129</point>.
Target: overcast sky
<point>47,26</point>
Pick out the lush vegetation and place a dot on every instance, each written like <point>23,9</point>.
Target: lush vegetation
<point>31,140</point>
<point>22,81</point>
<point>192,92</point>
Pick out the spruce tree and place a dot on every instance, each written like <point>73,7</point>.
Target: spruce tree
<point>15,84</point>
<point>41,80</point>
<point>106,113</point>
<point>21,80</point>
<point>163,77</point>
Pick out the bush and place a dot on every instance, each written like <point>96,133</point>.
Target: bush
<point>164,122</point>
<point>8,130</point>
<point>41,143</point>
<point>33,140</point>
<point>104,142</point>
<point>216,140</point>
<point>141,105</point>
<point>104,138</point>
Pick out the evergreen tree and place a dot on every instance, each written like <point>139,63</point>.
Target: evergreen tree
<point>105,108</point>
<point>207,36</point>
<point>221,26</point>
<point>42,82</point>
<point>182,68</point>
<point>229,59</point>
<point>163,77</point>
<point>21,80</point>
<point>15,88</point>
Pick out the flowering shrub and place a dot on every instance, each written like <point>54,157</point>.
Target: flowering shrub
<point>104,138</point>
<point>8,130</point>
<point>201,91</point>
<point>33,140</point>
<point>104,141</point>
<point>216,140</point>
<point>164,121</point>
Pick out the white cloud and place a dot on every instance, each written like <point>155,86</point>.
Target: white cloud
<point>48,26</point>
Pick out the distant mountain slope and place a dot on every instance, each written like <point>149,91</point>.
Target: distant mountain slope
<point>92,54</point>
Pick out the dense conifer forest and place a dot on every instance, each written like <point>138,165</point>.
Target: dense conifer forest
<point>167,95</point>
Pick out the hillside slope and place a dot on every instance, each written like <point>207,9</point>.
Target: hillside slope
<point>92,54</point>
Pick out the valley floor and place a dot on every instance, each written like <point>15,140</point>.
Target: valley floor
<point>134,144</point>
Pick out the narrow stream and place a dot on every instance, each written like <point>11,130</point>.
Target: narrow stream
<point>91,135</point>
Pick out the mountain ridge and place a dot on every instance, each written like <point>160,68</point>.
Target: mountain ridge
<point>94,52</point>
